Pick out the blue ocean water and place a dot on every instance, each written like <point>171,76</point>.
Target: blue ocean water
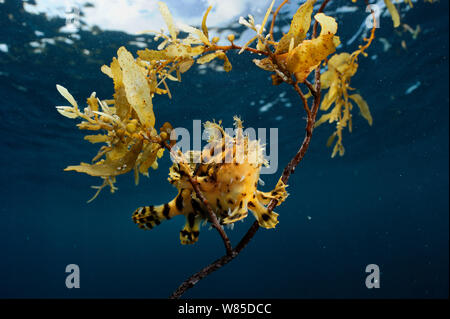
<point>385,202</point>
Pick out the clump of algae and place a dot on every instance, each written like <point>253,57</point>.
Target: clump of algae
<point>300,56</point>
<point>126,122</point>
<point>341,68</point>
<point>337,80</point>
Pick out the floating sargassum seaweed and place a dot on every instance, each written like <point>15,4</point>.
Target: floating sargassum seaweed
<point>228,181</point>
<point>299,55</point>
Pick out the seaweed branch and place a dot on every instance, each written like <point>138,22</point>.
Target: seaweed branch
<point>211,214</point>
<point>126,123</point>
<point>274,17</point>
<point>288,170</point>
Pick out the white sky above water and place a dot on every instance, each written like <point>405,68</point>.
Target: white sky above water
<point>134,16</point>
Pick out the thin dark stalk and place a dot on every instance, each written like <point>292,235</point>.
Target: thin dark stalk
<point>287,172</point>
<point>272,24</point>
<point>322,7</point>
<point>211,215</point>
<point>233,47</point>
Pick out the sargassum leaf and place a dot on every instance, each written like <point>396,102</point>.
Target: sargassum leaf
<point>207,58</point>
<point>67,111</point>
<point>99,138</point>
<point>394,13</point>
<point>120,98</point>
<point>328,24</point>
<point>185,65</point>
<point>136,88</point>
<point>331,139</point>
<point>264,64</point>
<point>299,27</point>
<point>307,56</point>
<point>226,64</point>
<point>92,101</point>
<point>326,78</point>
<point>323,119</point>
<point>110,167</point>
<point>168,19</point>
<point>149,55</point>
<point>65,93</point>
<point>330,97</point>
<point>106,70</point>
<point>260,45</point>
<point>176,51</point>
<point>363,107</point>
<point>204,27</point>
<point>191,30</point>
<point>148,157</point>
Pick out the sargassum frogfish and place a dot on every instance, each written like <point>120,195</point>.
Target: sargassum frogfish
<point>227,171</point>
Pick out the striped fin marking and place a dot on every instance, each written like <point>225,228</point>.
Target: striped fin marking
<point>191,231</point>
<point>265,218</point>
<point>148,217</point>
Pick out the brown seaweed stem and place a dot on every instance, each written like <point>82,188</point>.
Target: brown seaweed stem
<point>272,24</point>
<point>287,172</point>
<point>211,215</point>
<point>322,7</point>
<point>232,46</point>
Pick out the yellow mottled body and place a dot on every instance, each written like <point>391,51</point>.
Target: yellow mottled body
<point>227,173</point>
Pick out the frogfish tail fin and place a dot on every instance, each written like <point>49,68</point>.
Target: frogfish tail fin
<point>147,217</point>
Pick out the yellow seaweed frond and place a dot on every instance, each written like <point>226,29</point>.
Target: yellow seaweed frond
<point>207,58</point>
<point>194,31</point>
<point>299,27</point>
<point>111,166</point>
<point>204,27</point>
<point>394,13</point>
<point>107,181</point>
<point>299,55</point>
<point>63,91</point>
<point>218,54</point>
<point>126,123</point>
<point>363,107</point>
<point>167,16</point>
<point>99,138</point>
<point>260,45</point>
<point>136,88</point>
<point>307,56</point>
<point>341,67</point>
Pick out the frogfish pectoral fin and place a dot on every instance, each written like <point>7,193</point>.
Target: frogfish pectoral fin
<point>278,193</point>
<point>191,230</point>
<point>265,218</point>
<point>240,212</point>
